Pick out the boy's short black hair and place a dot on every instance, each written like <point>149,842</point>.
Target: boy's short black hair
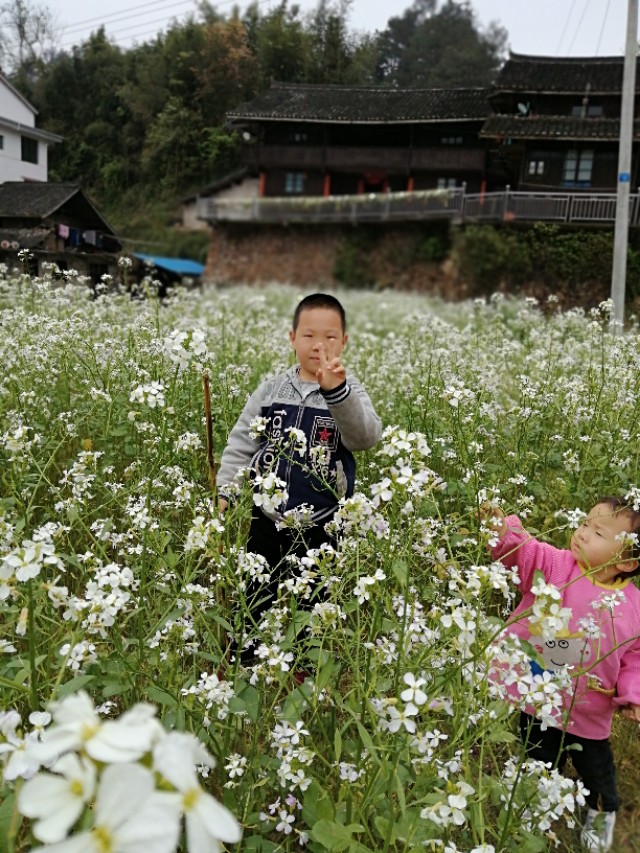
<point>622,506</point>
<point>319,300</point>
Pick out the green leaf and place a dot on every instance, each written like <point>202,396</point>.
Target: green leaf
<point>7,813</point>
<point>73,685</point>
<point>250,698</point>
<point>258,844</point>
<point>161,697</point>
<point>325,674</point>
<point>317,805</point>
<point>337,744</point>
<point>400,569</point>
<point>367,741</point>
<point>334,836</point>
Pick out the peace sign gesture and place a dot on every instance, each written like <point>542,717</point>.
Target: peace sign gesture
<point>331,372</point>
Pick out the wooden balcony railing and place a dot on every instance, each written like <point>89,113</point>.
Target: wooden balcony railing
<point>453,204</point>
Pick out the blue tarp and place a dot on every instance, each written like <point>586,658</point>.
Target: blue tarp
<point>179,266</point>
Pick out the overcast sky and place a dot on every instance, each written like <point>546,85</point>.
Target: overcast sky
<point>546,27</point>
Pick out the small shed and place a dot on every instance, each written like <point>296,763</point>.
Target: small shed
<point>168,271</point>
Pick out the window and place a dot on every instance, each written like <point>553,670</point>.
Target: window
<point>594,111</point>
<point>451,140</point>
<point>294,183</point>
<point>536,167</point>
<point>29,149</point>
<point>577,169</point>
<point>298,137</point>
<point>1,142</point>
<point>446,184</point>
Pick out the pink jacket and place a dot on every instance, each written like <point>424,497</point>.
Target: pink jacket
<point>613,658</point>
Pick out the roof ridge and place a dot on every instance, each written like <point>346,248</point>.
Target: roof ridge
<point>276,84</point>
<point>565,60</point>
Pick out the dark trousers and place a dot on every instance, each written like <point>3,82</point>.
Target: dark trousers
<point>593,763</point>
<point>275,545</point>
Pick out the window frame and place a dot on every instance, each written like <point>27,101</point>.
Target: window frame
<point>29,150</point>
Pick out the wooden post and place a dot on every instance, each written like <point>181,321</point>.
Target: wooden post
<point>211,465</point>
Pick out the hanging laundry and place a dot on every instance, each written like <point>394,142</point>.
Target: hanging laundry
<point>74,236</point>
<point>89,237</point>
<point>63,231</point>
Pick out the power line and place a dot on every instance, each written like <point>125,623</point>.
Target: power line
<point>100,22</point>
<point>123,13</point>
<point>604,20</point>
<point>142,35</point>
<point>163,20</point>
<point>566,25</point>
<point>577,29</point>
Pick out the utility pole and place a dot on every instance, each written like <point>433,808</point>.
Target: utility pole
<point>621,235</point>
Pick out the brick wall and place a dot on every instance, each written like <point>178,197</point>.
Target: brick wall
<point>308,255</point>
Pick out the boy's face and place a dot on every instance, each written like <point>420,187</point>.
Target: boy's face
<point>318,329</point>
<point>594,544</point>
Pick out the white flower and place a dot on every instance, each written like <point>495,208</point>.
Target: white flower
<point>207,821</point>
<point>286,820</point>
<point>76,725</point>
<point>402,718</point>
<point>413,693</point>
<point>130,816</point>
<point>382,491</point>
<point>57,801</point>
<point>22,763</point>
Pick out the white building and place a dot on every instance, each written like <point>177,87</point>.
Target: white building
<point>23,147</point>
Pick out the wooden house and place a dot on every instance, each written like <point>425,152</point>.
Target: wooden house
<point>309,140</point>
<point>56,223</point>
<point>555,124</point>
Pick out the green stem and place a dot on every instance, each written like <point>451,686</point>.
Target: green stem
<point>35,702</point>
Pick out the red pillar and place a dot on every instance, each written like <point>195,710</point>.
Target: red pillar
<point>326,187</point>
<point>262,184</point>
<point>361,186</point>
<point>411,184</point>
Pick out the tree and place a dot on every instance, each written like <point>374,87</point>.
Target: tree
<point>332,46</point>
<point>225,70</point>
<point>432,48</point>
<point>27,36</point>
<point>77,96</point>
<point>280,43</point>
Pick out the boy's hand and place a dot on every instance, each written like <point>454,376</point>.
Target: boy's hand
<point>223,503</point>
<point>631,712</point>
<point>331,372</point>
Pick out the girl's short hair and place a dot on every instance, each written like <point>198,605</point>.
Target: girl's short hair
<point>622,506</point>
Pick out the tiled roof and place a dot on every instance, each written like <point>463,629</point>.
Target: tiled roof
<point>567,75</point>
<point>33,199</point>
<point>42,200</point>
<point>362,104</point>
<point>554,127</point>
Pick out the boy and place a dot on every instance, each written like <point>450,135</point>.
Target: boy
<point>600,644</point>
<point>314,418</point>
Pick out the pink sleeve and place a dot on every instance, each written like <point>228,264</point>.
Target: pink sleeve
<point>628,685</point>
<point>519,548</point>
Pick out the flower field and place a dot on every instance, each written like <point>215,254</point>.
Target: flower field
<point>121,585</point>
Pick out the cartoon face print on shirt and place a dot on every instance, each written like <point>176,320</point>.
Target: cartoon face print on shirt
<point>564,651</point>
